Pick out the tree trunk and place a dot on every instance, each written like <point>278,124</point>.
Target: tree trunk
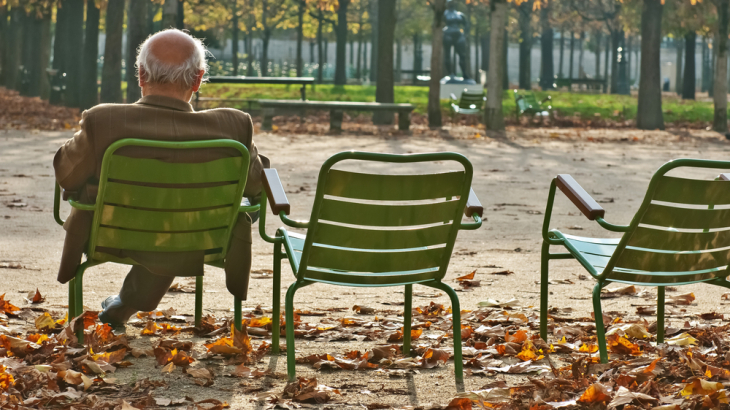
<point>374,23</point>
<point>153,8</point>
<point>679,44</point>
<point>689,76</point>
<point>358,64</point>
<point>437,51</point>
<point>311,52</point>
<point>616,36</point>
<point>562,53</point>
<point>598,53</point>
<point>341,52</point>
<point>719,122</point>
<point>547,72</point>
<point>606,62</point>
<point>384,79</point>
<point>629,44</point>
<point>111,75</point>
<point>417,56</point>
<point>136,34</point>
<point>301,5</point>
<point>486,40</point>
<point>493,116</point>
<point>705,83</point>
<point>59,43</point>
<point>477,77</point>
<point>326,50</point>
<point>14,47</point>
<point>37,51</point>
<point>89,76</point>
<point>180,17</point>
<point>235,31</point>
<point>571,59</point>
<point>581,71</point>
<point>352,52</point>
<point>249,54</point>
<point>3,40</point>
<point>265,37</point>
<point>74,45</point>
<point>398,60</point>
<point>169,14</point>
<point>505,71</point>
<point>649,113</point>
<point>320,55</point>
<point>525,20</point>
<point>711,89</point>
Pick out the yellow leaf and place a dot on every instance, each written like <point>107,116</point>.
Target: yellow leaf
<point>699,386</point>
<point>683,339</point>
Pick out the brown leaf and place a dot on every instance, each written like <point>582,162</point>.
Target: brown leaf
<point>468,276</point>
<point>434,357</point>
<point>35,297</point>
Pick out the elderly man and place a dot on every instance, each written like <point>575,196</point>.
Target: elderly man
<point>170,68</point>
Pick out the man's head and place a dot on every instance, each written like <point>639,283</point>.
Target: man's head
<point>171,63</point>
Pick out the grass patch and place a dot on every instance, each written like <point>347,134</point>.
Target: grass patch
<point>584,106</point>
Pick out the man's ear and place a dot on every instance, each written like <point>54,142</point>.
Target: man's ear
<point>141,76</point>
<point>198,80</point>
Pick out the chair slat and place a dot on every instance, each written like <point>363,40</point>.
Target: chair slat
<point>594,248</point>
<point>155,171</point>
<point>665,278</point>
<point>372,279</point>
<point>671,261</point>
<point>348,237</point>
<point>684,218</point>
<point>362,261</point>
<point>394,187</point>
<point>678,241</point>
<point>165,221</point>
<point>161,242</point>
<point>169,198</point>
<point>692,191</point>
<point>387,215</point>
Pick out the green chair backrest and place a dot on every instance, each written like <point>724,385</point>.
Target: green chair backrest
<point>677,236</point>
<point>146,204</point>
<point>471,100</point>
<point>365,228</point>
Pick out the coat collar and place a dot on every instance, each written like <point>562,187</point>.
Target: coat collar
<point>166,102</point>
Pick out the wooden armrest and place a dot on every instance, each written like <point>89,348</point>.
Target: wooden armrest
<point>590,208</point>
<point>473,206</point>
<point>66,195</point>
<point>724,177</point>
<point>275,191</point>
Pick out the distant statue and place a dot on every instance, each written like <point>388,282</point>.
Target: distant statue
<point>454,37</point>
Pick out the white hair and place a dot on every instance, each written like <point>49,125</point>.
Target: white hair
<point>183,74</point>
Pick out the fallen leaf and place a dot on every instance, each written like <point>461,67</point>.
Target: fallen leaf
<point>596,393</point>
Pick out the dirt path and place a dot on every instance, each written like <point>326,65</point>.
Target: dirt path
<point>511,178</point>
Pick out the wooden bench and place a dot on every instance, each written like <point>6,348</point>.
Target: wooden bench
<point>270,108</point>
<point>304,81</point>
<point>527,103</point>
<point>590,83</point>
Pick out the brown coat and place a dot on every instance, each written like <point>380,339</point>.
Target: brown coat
<point>78,166</point>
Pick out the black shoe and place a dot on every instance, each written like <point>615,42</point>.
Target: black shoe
<point>117,327</point>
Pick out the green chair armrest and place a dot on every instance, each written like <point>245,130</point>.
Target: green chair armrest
<point>275,191</point>
<point>473,206</point>
<point>83,207</point>
<point>580,198</point>
<point>57,204</point>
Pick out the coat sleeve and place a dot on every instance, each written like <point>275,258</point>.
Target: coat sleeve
<point>75,162</point>
<point>258,162</point>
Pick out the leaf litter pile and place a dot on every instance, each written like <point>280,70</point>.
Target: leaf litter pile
<point>26,113</point>
<point>43,364</point>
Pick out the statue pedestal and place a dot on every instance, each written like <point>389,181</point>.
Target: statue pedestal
<point>456,89</point>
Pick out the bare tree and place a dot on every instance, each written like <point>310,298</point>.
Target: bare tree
<point>111,75</point>
<point>437,51</point>
<point>493,115</point>
<point>719,122</point>
<point>384,80</point>
<point>649,114</point>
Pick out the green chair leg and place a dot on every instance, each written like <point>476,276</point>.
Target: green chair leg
<point>545,261</point>
<point>276,301</point>
<point>407,312</point>
<point>79,297</point>
<point>600,329</point>
<point>237,316</point>
<point>660,315</point>
<point>290,350</point>
<point>456,324</point>
<point>199,300</point>
<point>71,300</point>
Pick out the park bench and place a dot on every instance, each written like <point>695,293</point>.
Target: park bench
<point>303,81</point>
<point>677,237</point>
<point>596,84</point>
<point>270,108</point>
<point>470,103</point>
<point>527,103</point>
<point>137,210</point>
<point>346,244</point>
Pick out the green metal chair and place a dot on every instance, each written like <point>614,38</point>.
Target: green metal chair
<point>674,239</point>
<point>129,214</point>
<point>527,103</point>
<point>370,230</point>
<point>470,103</point>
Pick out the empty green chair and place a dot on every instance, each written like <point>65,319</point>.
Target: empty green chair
<point>135,211</point>
<point>370,230</point>
<point>470,103</point>
<point>677,237</point>
<point>527,103</point>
